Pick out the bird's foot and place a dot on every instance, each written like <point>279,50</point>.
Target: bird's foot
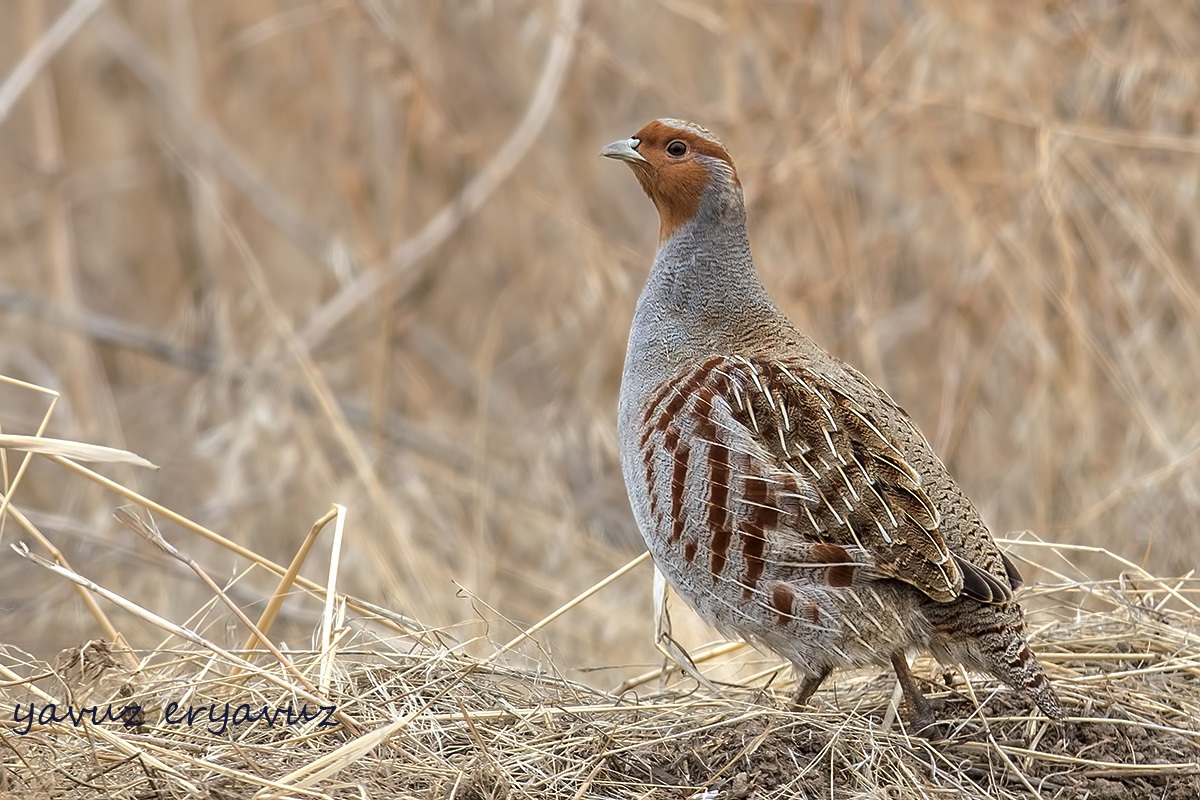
<point>925,717</point>
<point>808,687</point>
<point>925,711</point>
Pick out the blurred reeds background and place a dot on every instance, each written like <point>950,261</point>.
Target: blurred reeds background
<point>990,208</point>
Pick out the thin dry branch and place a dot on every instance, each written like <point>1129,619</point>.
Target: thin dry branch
<point>474,194</point>
<point>43,51</point>
<point>200,136</point>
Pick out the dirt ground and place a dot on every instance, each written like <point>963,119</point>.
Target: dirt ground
<point>768,755</point>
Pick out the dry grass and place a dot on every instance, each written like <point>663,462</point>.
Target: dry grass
<point>991,211</point>
<point>384,707</point>
<point>363,251</point>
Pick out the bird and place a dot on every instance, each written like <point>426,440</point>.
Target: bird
<point>786,498</point>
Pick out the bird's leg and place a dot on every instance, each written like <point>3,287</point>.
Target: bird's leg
<point>808,688</point>
<point>923,714</point>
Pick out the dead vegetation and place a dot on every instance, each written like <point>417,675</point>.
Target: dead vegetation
<point>363,251</point>
<point>384,707</point>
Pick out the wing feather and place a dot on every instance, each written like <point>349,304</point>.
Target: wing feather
<point>867,498</point>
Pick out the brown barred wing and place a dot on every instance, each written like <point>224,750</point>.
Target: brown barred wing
<point>866,505</point>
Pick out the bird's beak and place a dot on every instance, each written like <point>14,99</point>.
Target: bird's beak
<point>624,150</point>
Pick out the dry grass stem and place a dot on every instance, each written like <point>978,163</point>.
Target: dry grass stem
<point>365,251</point>
<point>284,588</point>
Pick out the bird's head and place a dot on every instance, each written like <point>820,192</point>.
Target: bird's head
<point>679,165</point>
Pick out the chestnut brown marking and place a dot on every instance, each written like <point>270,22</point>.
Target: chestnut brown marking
<point>678,477</point>
<point>783,598</point>
<point>676,185</point>
<point>718,506</point>
<point>754,543</point>
<point>720,379</point>
<point>651,483</point>
<point>678,388</point>
<point>811,612</point>
<point>702,409</point>
<point>683,391</point>
<point>841,571</point>
<point>689,551</point>
<point>761,516</point>
<point>753,546</point>
<point>705,427</point>
<point>824,553</point>
<point>671,440</point>
<point>761,513</point>
<point>840,577</point>
<point>685,385</point>
<point>659,396</point>
<point>647,432</point>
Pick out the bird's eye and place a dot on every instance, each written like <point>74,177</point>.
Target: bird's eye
<point>676,149</point>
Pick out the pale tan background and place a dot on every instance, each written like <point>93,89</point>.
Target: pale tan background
<point>991,208</point>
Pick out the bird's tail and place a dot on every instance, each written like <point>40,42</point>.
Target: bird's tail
<point>1007,655</point>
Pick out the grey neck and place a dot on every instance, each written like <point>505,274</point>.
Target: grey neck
<point>705,276</point>
<point>703,294</point>
<point>706,259</point>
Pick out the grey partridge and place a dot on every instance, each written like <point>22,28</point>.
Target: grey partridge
<point>784,496</point>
